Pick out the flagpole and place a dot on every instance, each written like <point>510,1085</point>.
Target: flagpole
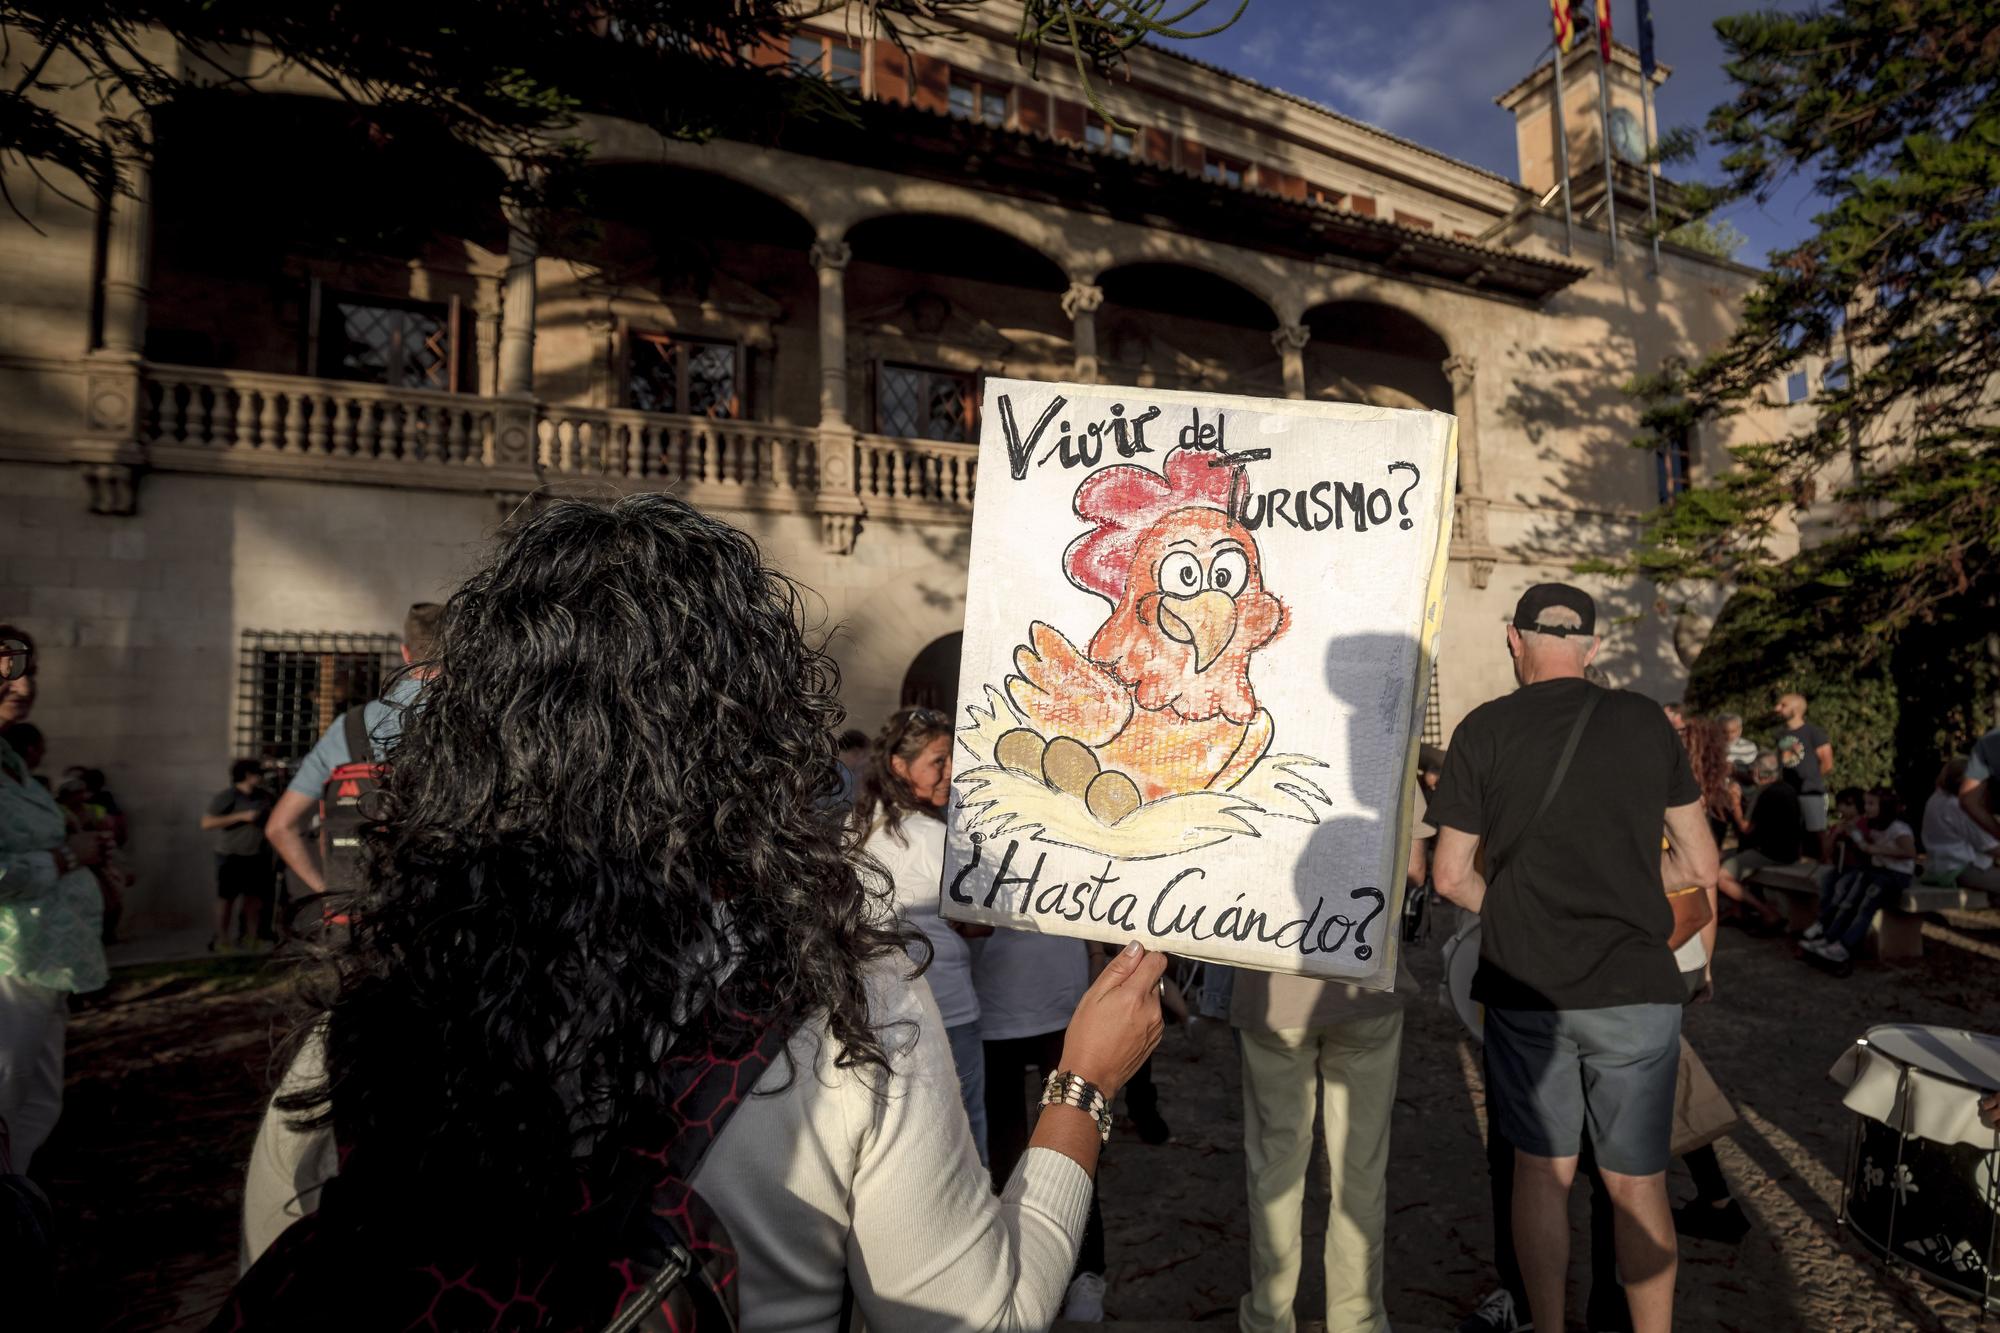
<point>1604,116</point>
<point>1562,155</point>
<point>1652,202</point>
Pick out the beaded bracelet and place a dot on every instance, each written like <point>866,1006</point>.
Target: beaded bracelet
<point>1067,1089</point>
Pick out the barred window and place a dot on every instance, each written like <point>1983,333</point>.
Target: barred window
<point>292,685</point>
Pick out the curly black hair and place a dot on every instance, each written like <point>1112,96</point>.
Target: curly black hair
<point>610,834</point>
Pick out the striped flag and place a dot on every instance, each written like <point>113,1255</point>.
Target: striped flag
<point>1604,28</point>
<point>1565,25</point>
<point>1646,38</point>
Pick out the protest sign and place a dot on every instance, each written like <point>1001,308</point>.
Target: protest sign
<point>1198,638</point>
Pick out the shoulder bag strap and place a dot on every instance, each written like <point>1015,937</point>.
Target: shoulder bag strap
<point>360,747</point>
<point>1496,862</point>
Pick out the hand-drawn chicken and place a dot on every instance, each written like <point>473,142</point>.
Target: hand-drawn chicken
<point>1162,702</point>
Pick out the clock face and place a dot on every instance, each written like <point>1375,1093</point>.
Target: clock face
<point>1627,140</point>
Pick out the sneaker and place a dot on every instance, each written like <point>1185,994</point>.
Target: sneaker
<point>1813,932</point>
<point>1085,1302</point>
<point>1496,1314</point>
<point>1152,1128</point>
<point>1833,951</point>
<point>1700,1220</point>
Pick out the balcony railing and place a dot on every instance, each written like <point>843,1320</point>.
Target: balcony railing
<point>926,476</point>
<point>249,423</point>
<point>244,415</point>
<point>647,449</point>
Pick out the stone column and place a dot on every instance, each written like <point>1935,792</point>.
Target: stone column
<point>1469,539</point>
<point>1461,370</point>
<point>1080,303</point>
<point>128,251</point>
<point>1291,340</point>
<point>838,505</point>
<point>829,260</point>
<point>517,309</point>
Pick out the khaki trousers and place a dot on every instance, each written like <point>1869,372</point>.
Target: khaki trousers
<point>1352,1066</point>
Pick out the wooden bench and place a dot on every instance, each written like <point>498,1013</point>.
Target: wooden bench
<point>1898,931</point>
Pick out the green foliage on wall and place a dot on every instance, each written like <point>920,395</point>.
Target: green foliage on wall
<point>1895,711</point>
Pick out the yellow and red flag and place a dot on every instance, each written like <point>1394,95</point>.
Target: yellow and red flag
<point>1604,28</point>
<point>1565,25</point>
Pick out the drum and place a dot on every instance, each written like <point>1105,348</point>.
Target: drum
<point>1923,1174</point>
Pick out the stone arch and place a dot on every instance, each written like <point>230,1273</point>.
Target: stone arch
<point>617,142</point>
<point>1020,223</point>
<point>1377,352</point>
<point>1189,326</point>
<point>1260,276</point>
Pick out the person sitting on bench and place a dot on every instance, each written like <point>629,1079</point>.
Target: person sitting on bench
<point>1850,906</point>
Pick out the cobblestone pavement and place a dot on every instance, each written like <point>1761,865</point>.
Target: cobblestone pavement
<point>167,1074</point>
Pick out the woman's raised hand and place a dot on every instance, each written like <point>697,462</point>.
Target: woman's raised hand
<point>1117,1022</point>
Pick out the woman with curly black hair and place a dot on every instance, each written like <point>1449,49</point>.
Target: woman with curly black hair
<point>899,815</point>
<point>605,853</point>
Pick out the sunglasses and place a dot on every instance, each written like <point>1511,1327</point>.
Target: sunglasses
<point>15,659</point>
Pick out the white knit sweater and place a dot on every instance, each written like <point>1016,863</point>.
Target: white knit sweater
<point>836,1178</point>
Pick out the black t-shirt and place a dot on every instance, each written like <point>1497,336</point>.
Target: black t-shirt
<point>247,838</point>
<point>1811,781</point>
<point>1578,918</point>
<point>1775,823</point>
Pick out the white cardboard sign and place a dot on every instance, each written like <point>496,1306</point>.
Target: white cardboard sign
<point>1198,638</point>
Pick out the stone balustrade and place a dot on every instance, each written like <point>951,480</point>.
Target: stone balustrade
<point>246,423</point>
<point>236,416</point>
<point>915,478</point>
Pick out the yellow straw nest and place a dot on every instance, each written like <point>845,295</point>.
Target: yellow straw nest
<point>999,800</point>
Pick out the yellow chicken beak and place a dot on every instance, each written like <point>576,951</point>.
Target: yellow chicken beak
<point>1206,620</point>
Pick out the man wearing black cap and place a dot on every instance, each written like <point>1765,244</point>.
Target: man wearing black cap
<point>1568,786</point>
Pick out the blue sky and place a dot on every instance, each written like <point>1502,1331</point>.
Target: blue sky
<point>1429,70</point>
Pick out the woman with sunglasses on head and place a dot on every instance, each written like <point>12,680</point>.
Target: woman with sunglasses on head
<point>51,918</point>
<point>604,864</point>
<point>899,816</point>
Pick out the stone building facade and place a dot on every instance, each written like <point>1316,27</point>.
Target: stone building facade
<point>229,461</point>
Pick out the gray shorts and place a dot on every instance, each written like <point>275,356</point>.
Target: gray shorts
<point>1550,1073</point>
<point>1812,811</point>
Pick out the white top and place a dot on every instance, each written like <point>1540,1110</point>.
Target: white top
<point>1897,829</point>
<point>1951,839</point>
<point>1028,983</point>
<point>832,1180</point>
<point>915,867</point>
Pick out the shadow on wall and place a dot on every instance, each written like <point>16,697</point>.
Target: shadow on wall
<point>134,622</point>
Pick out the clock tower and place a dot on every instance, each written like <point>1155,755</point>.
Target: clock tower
<point>1532,101</point>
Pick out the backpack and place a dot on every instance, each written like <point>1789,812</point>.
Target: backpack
<point>657,1262</point>
<point>342,812</point>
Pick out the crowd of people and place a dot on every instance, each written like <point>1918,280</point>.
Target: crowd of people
<point>599,864</point>
<point>1768,808</point>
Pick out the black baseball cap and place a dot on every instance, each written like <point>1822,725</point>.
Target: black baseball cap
<point>1547,596</point>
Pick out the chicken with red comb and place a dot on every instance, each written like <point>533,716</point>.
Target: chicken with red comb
<point>1162,702</point>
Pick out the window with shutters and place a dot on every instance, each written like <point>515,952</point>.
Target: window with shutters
<point>1099,134</point>
<point>1222,170</point>
<point>918,403</point>
<point>974,98</point>
<point>696,377</point>
<point>831,58</point>
<point>292,685</point>
<point>1673,464</point>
